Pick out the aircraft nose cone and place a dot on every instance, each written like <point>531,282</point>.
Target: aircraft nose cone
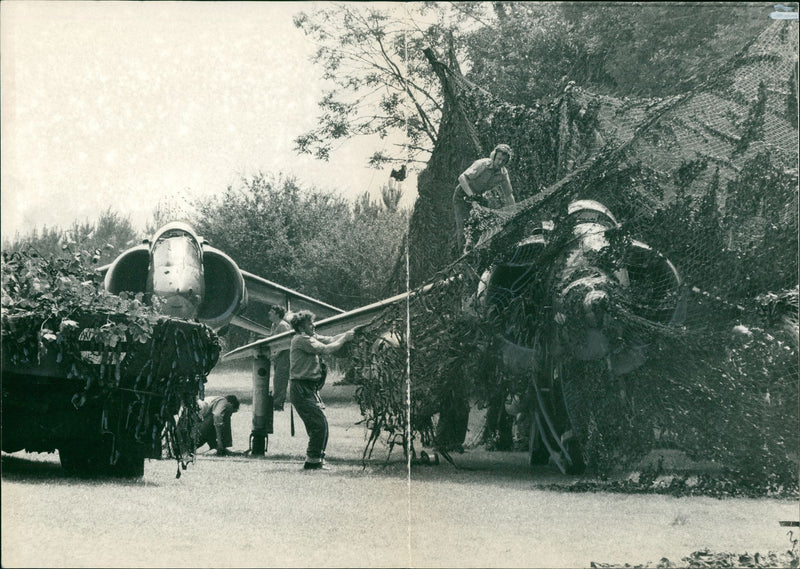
<point>178,305</point>
<point>585,307</point>
<point>178,292</point>
<point>595,305</point>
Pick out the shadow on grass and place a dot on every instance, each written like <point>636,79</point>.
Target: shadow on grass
<point>495,468</point>
<point>341,394</point>
<point>46,471</point>
<point>292,458</point>
<point>474,466</point>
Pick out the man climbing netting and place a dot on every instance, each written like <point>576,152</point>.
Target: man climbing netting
<point>482,176</point>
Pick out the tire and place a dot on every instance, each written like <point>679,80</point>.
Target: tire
<point>76,459</point>
<point>451,430</point>
<point>127,467</point>
<point>539,455</point>
<point>572,412</point>
<point>84,460</point>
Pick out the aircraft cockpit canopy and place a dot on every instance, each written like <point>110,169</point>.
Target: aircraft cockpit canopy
<point>176,247</point>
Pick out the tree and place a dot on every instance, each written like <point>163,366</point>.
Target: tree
<point>382,83</point>
<point>520,52</point>
<point>525,54</point>
<point>631,49</point>
<point>313,241</point>
<point>657,50</point>
<point>103,239</point>
<point>176,207</point>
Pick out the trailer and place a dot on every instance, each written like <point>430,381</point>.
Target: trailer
<point>104,390</point>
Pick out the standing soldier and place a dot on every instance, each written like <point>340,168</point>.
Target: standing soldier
<point>280,378</point>
<point>307,373</point>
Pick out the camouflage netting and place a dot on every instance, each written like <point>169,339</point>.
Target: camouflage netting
<point>126,368</point>
<point>708,178</point>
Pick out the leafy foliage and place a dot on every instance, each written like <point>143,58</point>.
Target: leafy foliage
<point>520,52</point>
<point>105,238</point>
<point>316,242</point>
<point>657,50</point>
<point>139,367</point>
<point>446,349</point>
<point>381,84</point>
<point>709,178</point>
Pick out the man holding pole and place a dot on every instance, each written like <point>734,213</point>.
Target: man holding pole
<point>280,362</point>
<point>307,375</point>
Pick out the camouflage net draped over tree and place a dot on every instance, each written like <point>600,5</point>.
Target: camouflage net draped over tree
<point>709,179</point>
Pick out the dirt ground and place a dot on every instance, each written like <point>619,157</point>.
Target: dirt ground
<point>492,511</point>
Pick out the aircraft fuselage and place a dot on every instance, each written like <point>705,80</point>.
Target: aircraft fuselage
<point>175,275</point>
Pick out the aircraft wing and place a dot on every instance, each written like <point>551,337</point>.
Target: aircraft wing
<point>263,292</point>
<point>329,327</point>
<point>268,292</point>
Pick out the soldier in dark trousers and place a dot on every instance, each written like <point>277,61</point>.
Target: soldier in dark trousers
<point>215,426</point>
<point>280,379</point>
<point>307,374</point>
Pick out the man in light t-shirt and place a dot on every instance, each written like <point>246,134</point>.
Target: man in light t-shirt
<point>215,426</point>
<point>482,176</point>
<point>307,373</point>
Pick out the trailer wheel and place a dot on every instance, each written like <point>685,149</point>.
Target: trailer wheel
<point>83,461</point>
<point>75,459</point>
<point>538,452</point>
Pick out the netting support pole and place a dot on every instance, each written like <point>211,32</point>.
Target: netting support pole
<point>262,406</point>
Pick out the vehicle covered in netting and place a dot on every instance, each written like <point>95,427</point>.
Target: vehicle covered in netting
<point>99,378</point>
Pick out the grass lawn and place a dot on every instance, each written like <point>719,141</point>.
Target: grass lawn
<point>492,511</point>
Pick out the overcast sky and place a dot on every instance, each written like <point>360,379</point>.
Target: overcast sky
<point>124,104</point>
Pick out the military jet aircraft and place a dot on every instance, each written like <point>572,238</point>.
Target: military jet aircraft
<point>557,298</point>
<point>188,278</point>
<point>48,406</point>
<point>185,277</point>
<point>553,299</point>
